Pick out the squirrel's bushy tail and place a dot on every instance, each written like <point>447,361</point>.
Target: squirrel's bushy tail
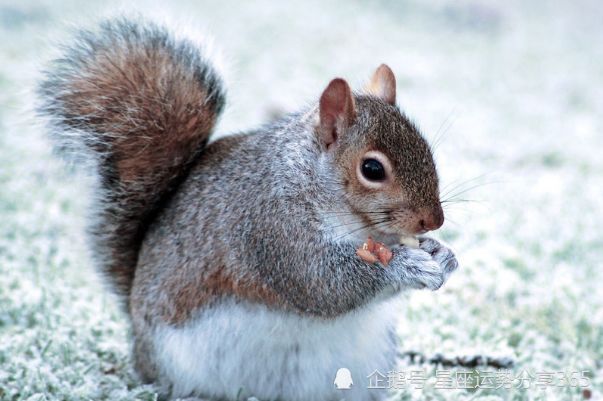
<point>141,105</point>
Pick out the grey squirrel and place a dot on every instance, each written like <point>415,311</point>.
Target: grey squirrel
<point>236,260</point>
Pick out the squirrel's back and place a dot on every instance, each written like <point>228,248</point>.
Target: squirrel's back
<point>140,105</point>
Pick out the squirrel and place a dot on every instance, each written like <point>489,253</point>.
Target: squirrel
<point>236,260</point>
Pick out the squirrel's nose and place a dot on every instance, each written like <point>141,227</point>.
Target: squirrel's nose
<point>431,219</point>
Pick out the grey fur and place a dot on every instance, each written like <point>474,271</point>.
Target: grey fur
<point>242,218</point>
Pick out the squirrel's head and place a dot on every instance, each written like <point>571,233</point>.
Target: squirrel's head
<point>385,165</point>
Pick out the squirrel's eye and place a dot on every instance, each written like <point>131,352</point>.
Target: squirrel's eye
<point>373,170</point>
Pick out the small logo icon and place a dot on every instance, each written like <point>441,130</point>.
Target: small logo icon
<point>343,379</point>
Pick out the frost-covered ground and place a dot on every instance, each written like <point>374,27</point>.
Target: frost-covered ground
<point>514,92</point>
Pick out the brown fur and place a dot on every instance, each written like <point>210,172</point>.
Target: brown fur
<point>151,113</point>
<point>143,106</point>
<point>207,287</point>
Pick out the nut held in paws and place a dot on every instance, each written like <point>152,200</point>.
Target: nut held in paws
<point>366,255</point>
<point>372,251</point>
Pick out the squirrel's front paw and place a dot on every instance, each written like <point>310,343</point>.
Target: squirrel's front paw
<point>422,271</point>
<point>427,266</point>
<point>442,255</point>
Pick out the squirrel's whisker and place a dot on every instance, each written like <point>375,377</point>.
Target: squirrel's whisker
<point>443,130</point>
<point>355,222</point>
<point>458,190</point>
<point>458,183</point>
<point>368,225</point>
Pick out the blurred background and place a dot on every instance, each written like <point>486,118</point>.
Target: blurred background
<point>509,93</point>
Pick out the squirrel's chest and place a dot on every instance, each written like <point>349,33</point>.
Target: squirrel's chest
<point>238,347</point>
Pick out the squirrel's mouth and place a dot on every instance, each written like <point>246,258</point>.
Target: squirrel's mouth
<point>392,235</point>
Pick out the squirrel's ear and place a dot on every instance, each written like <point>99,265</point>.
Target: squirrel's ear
<point>383,84</point>
<point>337,111</point>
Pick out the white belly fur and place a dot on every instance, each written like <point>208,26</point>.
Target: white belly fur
<point>239,349</point>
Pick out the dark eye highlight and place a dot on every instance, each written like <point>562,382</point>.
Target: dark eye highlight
<point>373,170</point>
